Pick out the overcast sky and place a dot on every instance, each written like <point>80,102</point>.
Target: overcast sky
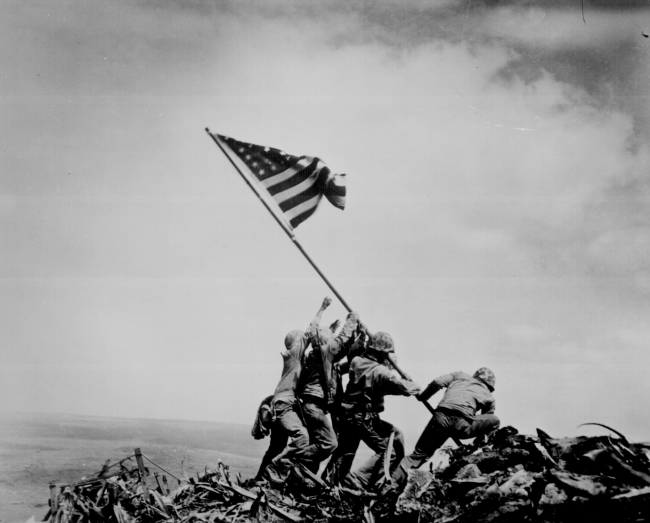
<point>498,201</point>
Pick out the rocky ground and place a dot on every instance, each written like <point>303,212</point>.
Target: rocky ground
<point>509,477</point>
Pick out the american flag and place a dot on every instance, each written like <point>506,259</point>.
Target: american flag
<point>296,183</point>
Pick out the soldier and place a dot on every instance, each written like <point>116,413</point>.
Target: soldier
<point>370,380</point>
<point>318,386</point>
<point>288,421</point>
<point>456,415</point>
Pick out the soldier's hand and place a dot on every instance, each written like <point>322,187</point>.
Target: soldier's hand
<point>354,316</point>
<point>335,325</point>
<point>326,302</point>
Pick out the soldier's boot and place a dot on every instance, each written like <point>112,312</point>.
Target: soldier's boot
<point>278,471</point>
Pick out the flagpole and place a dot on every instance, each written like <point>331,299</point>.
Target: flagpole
<point>280,222</point>
<point>286,228</point>
<point>329,284</point>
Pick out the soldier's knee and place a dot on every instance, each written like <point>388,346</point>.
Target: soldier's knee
<point>300,437</point>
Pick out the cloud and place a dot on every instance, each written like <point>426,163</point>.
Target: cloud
<point>497,205</point>
<point>626,251</point>
<point>637,337</point>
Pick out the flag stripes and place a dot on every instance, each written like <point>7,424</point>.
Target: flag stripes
<point>301,180</point>
<point>296,183</point>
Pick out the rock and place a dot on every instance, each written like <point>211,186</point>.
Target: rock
<point>469,471</point>
<point>553,495</point>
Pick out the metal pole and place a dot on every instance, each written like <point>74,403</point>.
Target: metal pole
<point>407,377</point>
<point>424,402</point>
<point>329,284</point>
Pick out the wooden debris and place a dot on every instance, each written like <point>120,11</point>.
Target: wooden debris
<point>508,477</point>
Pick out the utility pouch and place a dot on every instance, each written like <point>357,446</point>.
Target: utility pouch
<point>264,419</point>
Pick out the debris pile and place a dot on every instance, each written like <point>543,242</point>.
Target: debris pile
<point>508,477</point>
<point>125,497</point>
<point>516,477</point>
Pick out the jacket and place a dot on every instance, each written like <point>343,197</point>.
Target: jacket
<point>318,379</point>
<point>369,382</point>
<point>465,395</point>
<point>292,366</point>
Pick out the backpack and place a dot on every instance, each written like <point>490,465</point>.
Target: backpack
<point>263,419</point>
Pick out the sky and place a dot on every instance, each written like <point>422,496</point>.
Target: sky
<point>497,161</point>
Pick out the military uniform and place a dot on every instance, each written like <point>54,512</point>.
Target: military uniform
<point>288,422</point>
<point>318,388</point>
<point>455,416</point>
<point>369,382</point>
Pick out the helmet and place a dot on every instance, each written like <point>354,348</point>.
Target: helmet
<point>292,337</point>
<point>382,342</point>
<point>486,376</point>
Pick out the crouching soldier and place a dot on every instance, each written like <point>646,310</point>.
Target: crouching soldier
<point>370,380</point>
<point>456,415</point>
<point>279,458</point>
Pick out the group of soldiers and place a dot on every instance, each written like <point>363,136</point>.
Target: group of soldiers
<point>311,388</point>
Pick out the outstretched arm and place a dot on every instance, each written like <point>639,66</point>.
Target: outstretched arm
<point>441,382</point>
<point>391,384</point>
<point>341,345</point>
<point>326,303</point>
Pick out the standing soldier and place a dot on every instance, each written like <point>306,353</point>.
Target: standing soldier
<point>318,386</point>
<point>370,380</point>
<point>288,420</point>
<point>456,415</point>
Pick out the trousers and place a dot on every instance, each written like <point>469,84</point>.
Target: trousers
<point>308,432</point>
<point>322,437</point>
<point>444,425</point>
<point>375,433</point>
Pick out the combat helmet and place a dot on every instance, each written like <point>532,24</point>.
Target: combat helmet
<point>292,337</point>
<point>486,376</point>
<point>382,342</point>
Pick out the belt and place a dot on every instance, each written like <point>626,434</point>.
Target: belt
<point>360,407</point>
<point>454,413</point>
<point>319,402</point>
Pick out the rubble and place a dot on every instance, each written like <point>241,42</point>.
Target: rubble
<point>515,477</point>
<point>509,477</point>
